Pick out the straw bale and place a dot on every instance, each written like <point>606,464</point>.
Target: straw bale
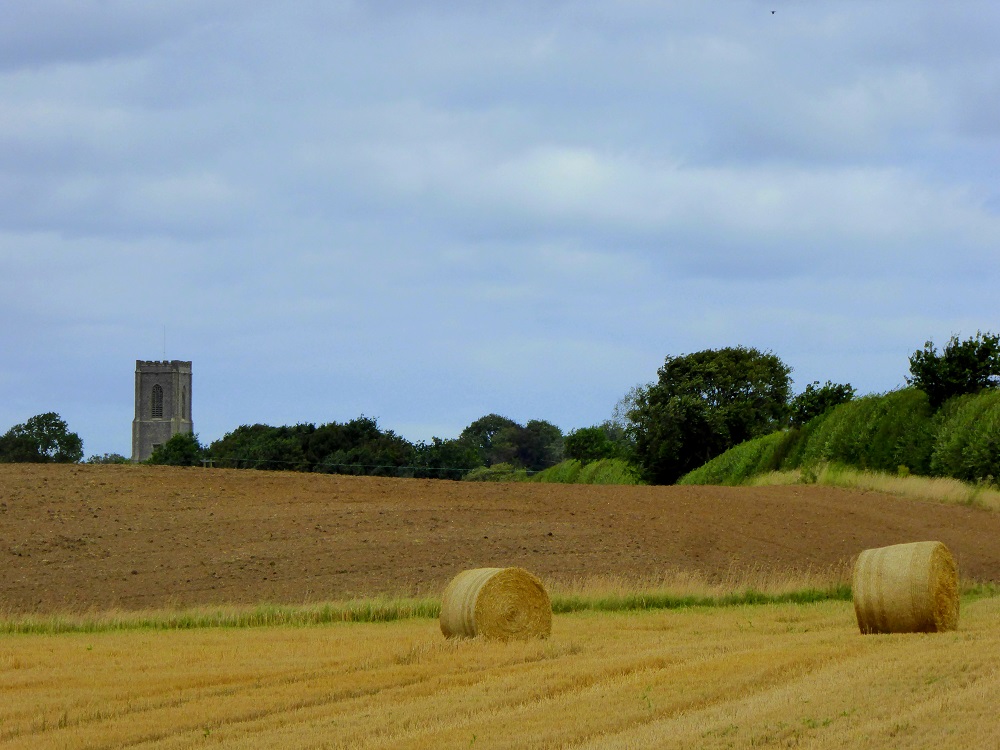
<point>906,588</point>
<point>496,603</point>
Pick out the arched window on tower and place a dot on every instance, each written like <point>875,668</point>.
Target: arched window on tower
<point>184,404</point>
<point>157,402</point>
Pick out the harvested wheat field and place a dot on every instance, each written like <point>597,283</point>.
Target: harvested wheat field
<point>734,677</point>
<point>75,538</point>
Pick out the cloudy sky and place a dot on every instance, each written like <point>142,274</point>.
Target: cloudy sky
<point>429,211</point>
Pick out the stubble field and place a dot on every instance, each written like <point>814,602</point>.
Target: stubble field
<point>89,538</point>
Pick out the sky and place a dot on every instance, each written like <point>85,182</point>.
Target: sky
<point>426,212</point>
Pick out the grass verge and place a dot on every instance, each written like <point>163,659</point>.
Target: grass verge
<point>599,594</point>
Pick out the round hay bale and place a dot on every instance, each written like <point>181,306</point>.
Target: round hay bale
<point>906,588</point>
<point>496,603</point>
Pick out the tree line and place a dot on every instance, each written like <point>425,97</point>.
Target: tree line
<point>701,405</point>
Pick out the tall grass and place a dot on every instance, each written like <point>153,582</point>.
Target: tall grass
<point>604,594</point>
<point>263,615</point>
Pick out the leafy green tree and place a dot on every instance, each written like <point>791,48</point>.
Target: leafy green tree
<point>704,403</point>
<point>45,438</point>
<point>963,367</point>
<point>486,438</point>
<point>261,446</point>
<point>360,447</point>
<point>182,449</point>
<point>818,399</point>
<point>591,444</point>
<point>538,445</point>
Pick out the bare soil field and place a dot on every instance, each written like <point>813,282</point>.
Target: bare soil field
<point>76,538</point>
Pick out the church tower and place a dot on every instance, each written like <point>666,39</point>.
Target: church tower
<point>162,404</point>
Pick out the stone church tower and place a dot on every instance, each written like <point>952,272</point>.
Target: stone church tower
<point>162,404</point>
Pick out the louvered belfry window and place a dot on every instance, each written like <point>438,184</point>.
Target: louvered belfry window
<point>157,402</point>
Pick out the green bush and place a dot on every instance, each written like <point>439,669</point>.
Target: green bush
<point>878,432</point>
<point>182,449</point>
<point>609,471</point>
<point>502,472</point>
<point>967,444</point>
<point>564,472</point>
<point>604,471</point>
<point>108,458</point>
<point>757,456</point>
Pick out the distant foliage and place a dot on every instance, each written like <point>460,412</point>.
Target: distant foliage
<point>182,449</point>
<point>818,399</point>
<point>45,438</point>
<point>444,459</point>
<point>963,367</point>
<point>108,458</point>
<point>498,439</point>
<point>591,444</point>
<point>602,471</point>
<point>359,447</point>
<point>261,446</point>
<point>564,472</point>
<point>502,472</point>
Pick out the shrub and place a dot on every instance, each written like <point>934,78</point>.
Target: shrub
<point>879,432</point>
<point>609,471</point>
<point>182,449</point>
<point>502,472</point>
<point>967,444</point>
<point>564,472</point>
<point>604,471</point>
<point>108,458</point>
<point>737,465</point>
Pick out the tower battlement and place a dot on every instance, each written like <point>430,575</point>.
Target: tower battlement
<point>179,364</point>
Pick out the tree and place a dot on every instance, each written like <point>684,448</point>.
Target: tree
<point>360,447</point>
<point>496,439</point>
<point>444,459</point>
<point>538,445</point>
<point>261,446</point>
<point>704,403</point>
<point>963,367</point>
<point>591,444</point>
<point>182,449</point>
<point>482,436</point>
<point>45,438</point>
<point>817,399</point>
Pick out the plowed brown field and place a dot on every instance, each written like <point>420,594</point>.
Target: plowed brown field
<point>82,537</point>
